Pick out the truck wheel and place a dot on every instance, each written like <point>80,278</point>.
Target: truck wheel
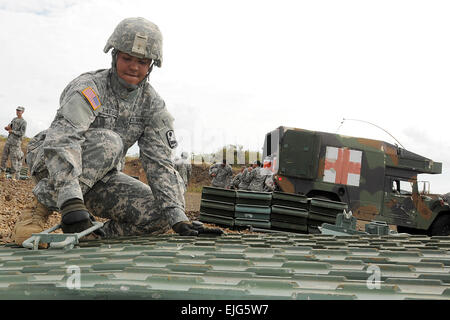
<point>441,226</point>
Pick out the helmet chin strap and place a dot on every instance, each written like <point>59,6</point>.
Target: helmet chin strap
<point>128,86</point>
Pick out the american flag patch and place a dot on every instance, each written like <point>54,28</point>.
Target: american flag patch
<point>92,98</point>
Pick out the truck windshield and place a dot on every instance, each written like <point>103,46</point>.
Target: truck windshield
<point>424,187</point>
<point>402,187</point>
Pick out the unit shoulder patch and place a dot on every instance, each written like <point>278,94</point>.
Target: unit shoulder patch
<point>171,140</point>
<point>92,97</point>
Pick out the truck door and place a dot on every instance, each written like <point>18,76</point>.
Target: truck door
<point>398,206</point>
<point>366,196</point>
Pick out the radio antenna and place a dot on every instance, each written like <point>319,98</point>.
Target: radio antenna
<point>343,119</point>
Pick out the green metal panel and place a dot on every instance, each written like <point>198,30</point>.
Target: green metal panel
<point>253,198</point>
<point>219,194</point>
<point>252,209</point>
<point>288,211</point>
<point>217,205</point>
<point>289,200</point>
<point>219,220</point>
<point>280,225</point>
<point>256,216</point>
<point>233,266</point>
<point>252,222</point>
<point>299,154</point>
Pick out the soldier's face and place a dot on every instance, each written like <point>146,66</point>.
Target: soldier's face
<point>19,113</point>
<point>131,69</point>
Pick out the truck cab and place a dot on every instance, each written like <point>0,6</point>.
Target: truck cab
<point>376,179</point>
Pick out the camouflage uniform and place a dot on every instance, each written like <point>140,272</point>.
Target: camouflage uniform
<point>81,154</point>
<point>269,183</point>
<point>184,168</point>
<point>223,174</point>
<point>13,144</point>
<point>245,180</point>
<point>261,180</point>
<point>236,181</point>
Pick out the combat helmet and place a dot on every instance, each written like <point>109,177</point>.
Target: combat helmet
<point>137,37</point>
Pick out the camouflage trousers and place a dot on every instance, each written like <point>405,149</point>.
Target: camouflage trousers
<point>128,203</point>
<point>15,154</point>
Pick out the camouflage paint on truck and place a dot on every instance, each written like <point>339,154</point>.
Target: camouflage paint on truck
<point>376,179</point>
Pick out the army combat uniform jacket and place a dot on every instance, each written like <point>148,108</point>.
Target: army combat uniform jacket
<point>261,179</point>
<point>222,176</point>
<point>13,144</point>
<point>245,180</point>
<point>236,181</point>
<point>184,168</point>
<point>80,155</point>
<point>18,128</point>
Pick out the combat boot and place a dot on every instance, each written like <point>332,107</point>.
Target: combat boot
<point>32,220</point>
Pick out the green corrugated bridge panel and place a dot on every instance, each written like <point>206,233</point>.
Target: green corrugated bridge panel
<point>324,203</point>
<point>327,208</point>
<point>216,219</point>
<point>248,215</point>
<point>288,211</point>
<point>252,209</point>
<point>265,224</point>
<point>242,194</point>
<point>217,205</point>
<point>289,197</point>
<point>219,194</point>
<point>232,267</point>
<point>253,198</point>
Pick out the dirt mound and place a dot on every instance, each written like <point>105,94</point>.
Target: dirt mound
<point>15,196</point>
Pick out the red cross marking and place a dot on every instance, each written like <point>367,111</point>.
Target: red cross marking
<point>343,166</point>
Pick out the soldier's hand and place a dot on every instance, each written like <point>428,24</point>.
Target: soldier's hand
<point>185,228</point>
<point>76,218</point>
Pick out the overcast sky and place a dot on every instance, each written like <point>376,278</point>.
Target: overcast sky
<point>234,70</point>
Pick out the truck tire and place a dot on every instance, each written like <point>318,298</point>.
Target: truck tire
<point>441,226</point>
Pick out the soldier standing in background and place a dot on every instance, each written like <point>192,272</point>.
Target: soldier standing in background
<point>237,179</point>
<point>261,180</point>
<point>12,149</point>
<point>221,174</point>
<point>246,178</point>
<point>184,168</point>
<point>76,163</point>
<point>256,179</point>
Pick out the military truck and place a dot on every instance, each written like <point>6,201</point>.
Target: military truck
<point>377,180</point>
